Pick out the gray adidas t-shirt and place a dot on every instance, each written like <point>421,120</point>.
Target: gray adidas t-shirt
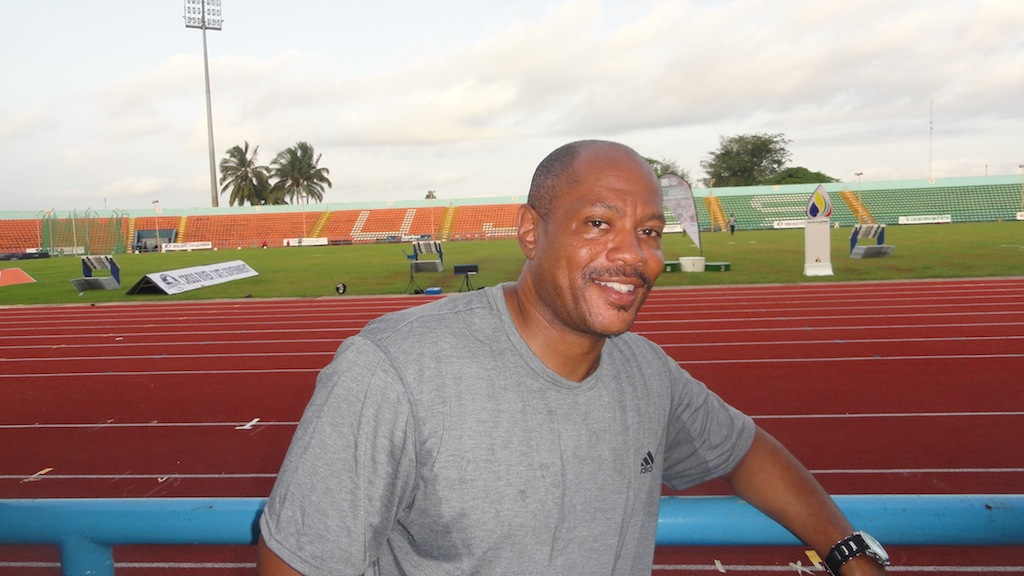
<point>436,443</point>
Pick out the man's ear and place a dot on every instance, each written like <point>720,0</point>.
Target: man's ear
<point>527,224</point>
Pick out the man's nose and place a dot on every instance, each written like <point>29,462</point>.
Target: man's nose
<point>627,249</point>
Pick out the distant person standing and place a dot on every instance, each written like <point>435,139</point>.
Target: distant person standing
<point>732,224</point>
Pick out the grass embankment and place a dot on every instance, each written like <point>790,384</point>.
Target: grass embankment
<point>770,256</point>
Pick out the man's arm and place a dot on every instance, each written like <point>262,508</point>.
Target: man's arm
<point>774,482</point>
<point>270,564</point>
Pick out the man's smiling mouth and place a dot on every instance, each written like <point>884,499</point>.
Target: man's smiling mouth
<point>618,287</point>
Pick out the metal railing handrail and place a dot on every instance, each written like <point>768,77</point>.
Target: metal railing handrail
<point>86,529</point>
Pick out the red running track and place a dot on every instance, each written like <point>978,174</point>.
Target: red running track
<point>896,387</point>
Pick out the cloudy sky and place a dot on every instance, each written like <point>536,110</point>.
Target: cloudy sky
<point>103,104</point>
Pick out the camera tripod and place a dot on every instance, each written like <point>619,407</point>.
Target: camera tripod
<point>412,287</point>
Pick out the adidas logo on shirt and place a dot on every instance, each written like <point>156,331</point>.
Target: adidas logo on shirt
<point>647,464</point>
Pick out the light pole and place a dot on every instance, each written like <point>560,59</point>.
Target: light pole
<point>205,14</point>
<point>1021,166</point>
<point>156,218</point>
<point>860,217</point>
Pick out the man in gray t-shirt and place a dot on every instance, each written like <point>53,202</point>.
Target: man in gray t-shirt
<point>522,429</point>
<point>413,431</point>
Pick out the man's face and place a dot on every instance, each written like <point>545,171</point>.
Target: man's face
<point>598,252</point>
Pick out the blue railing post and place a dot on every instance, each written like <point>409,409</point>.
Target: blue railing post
<point>80,556</point>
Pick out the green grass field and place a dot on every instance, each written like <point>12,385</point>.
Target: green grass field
<point>771,256</point>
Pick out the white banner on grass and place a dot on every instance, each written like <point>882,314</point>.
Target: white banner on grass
<point>305,242</point>
<point>786,224</point>
<point>186,246</point>
<point>928,219</point>
<point>184,279</point>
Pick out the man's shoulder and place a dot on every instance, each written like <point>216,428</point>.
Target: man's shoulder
<point>631,353</point>
<point>433,318</point>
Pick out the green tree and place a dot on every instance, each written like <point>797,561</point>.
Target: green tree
<point>666,166</point>
<point>745,160</point>
<point>247,181</point>
<point>298,175</point>
<point>799,175</point>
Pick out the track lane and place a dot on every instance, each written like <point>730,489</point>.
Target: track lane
<point>903,402</point>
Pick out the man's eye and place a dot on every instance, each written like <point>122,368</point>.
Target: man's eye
<point>653,233</point>
<point>598,224</point>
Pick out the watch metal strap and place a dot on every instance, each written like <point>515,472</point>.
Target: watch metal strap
<point>845,550</point>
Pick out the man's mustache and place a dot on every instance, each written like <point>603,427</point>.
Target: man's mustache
<point>595,273</point>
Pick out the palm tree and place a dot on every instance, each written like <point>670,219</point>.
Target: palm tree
<point>298,175</point>
<point>247,181</point>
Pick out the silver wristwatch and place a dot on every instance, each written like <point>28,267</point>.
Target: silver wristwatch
<point>852,546</point>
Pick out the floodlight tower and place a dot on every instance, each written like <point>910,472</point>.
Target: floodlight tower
<point>204,14</point>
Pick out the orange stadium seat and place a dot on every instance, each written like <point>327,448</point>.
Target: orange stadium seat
<point>19,236</point>
<point>341,224</point>
<point>485,221</point>
<point>249,230</point>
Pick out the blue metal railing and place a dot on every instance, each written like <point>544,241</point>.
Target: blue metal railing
<point>87,529</point>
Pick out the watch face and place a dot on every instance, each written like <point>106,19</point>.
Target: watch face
<point>875,549</point>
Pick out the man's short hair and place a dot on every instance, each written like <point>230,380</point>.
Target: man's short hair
<point>557,171</point>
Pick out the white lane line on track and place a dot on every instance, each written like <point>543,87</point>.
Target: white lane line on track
<point>841,328</point>
<point>166,344</point>
<point>646,317</point>
<point>162,477</point>
<point>19,341</point>
<point>328,353</point>
<point>170,332</point>
<point>110,373</point>
<point>919,471</point>
<point>234,425</point>
<point>834,341</point>
<point>158,477</point>
<point>719,319</point>
<point>260,422</point>
<point>876,358</point>
<point>932,303</point>
<point>150,565</point>
<point>164,372</point>
<point>789,569</point>
<point>886,415</point>
<point>657,567</point>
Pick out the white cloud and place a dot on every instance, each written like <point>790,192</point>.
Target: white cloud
<point>466,100</point>
<point>23,124</point>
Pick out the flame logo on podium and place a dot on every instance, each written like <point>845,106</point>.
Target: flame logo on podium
<point>820,206</point>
